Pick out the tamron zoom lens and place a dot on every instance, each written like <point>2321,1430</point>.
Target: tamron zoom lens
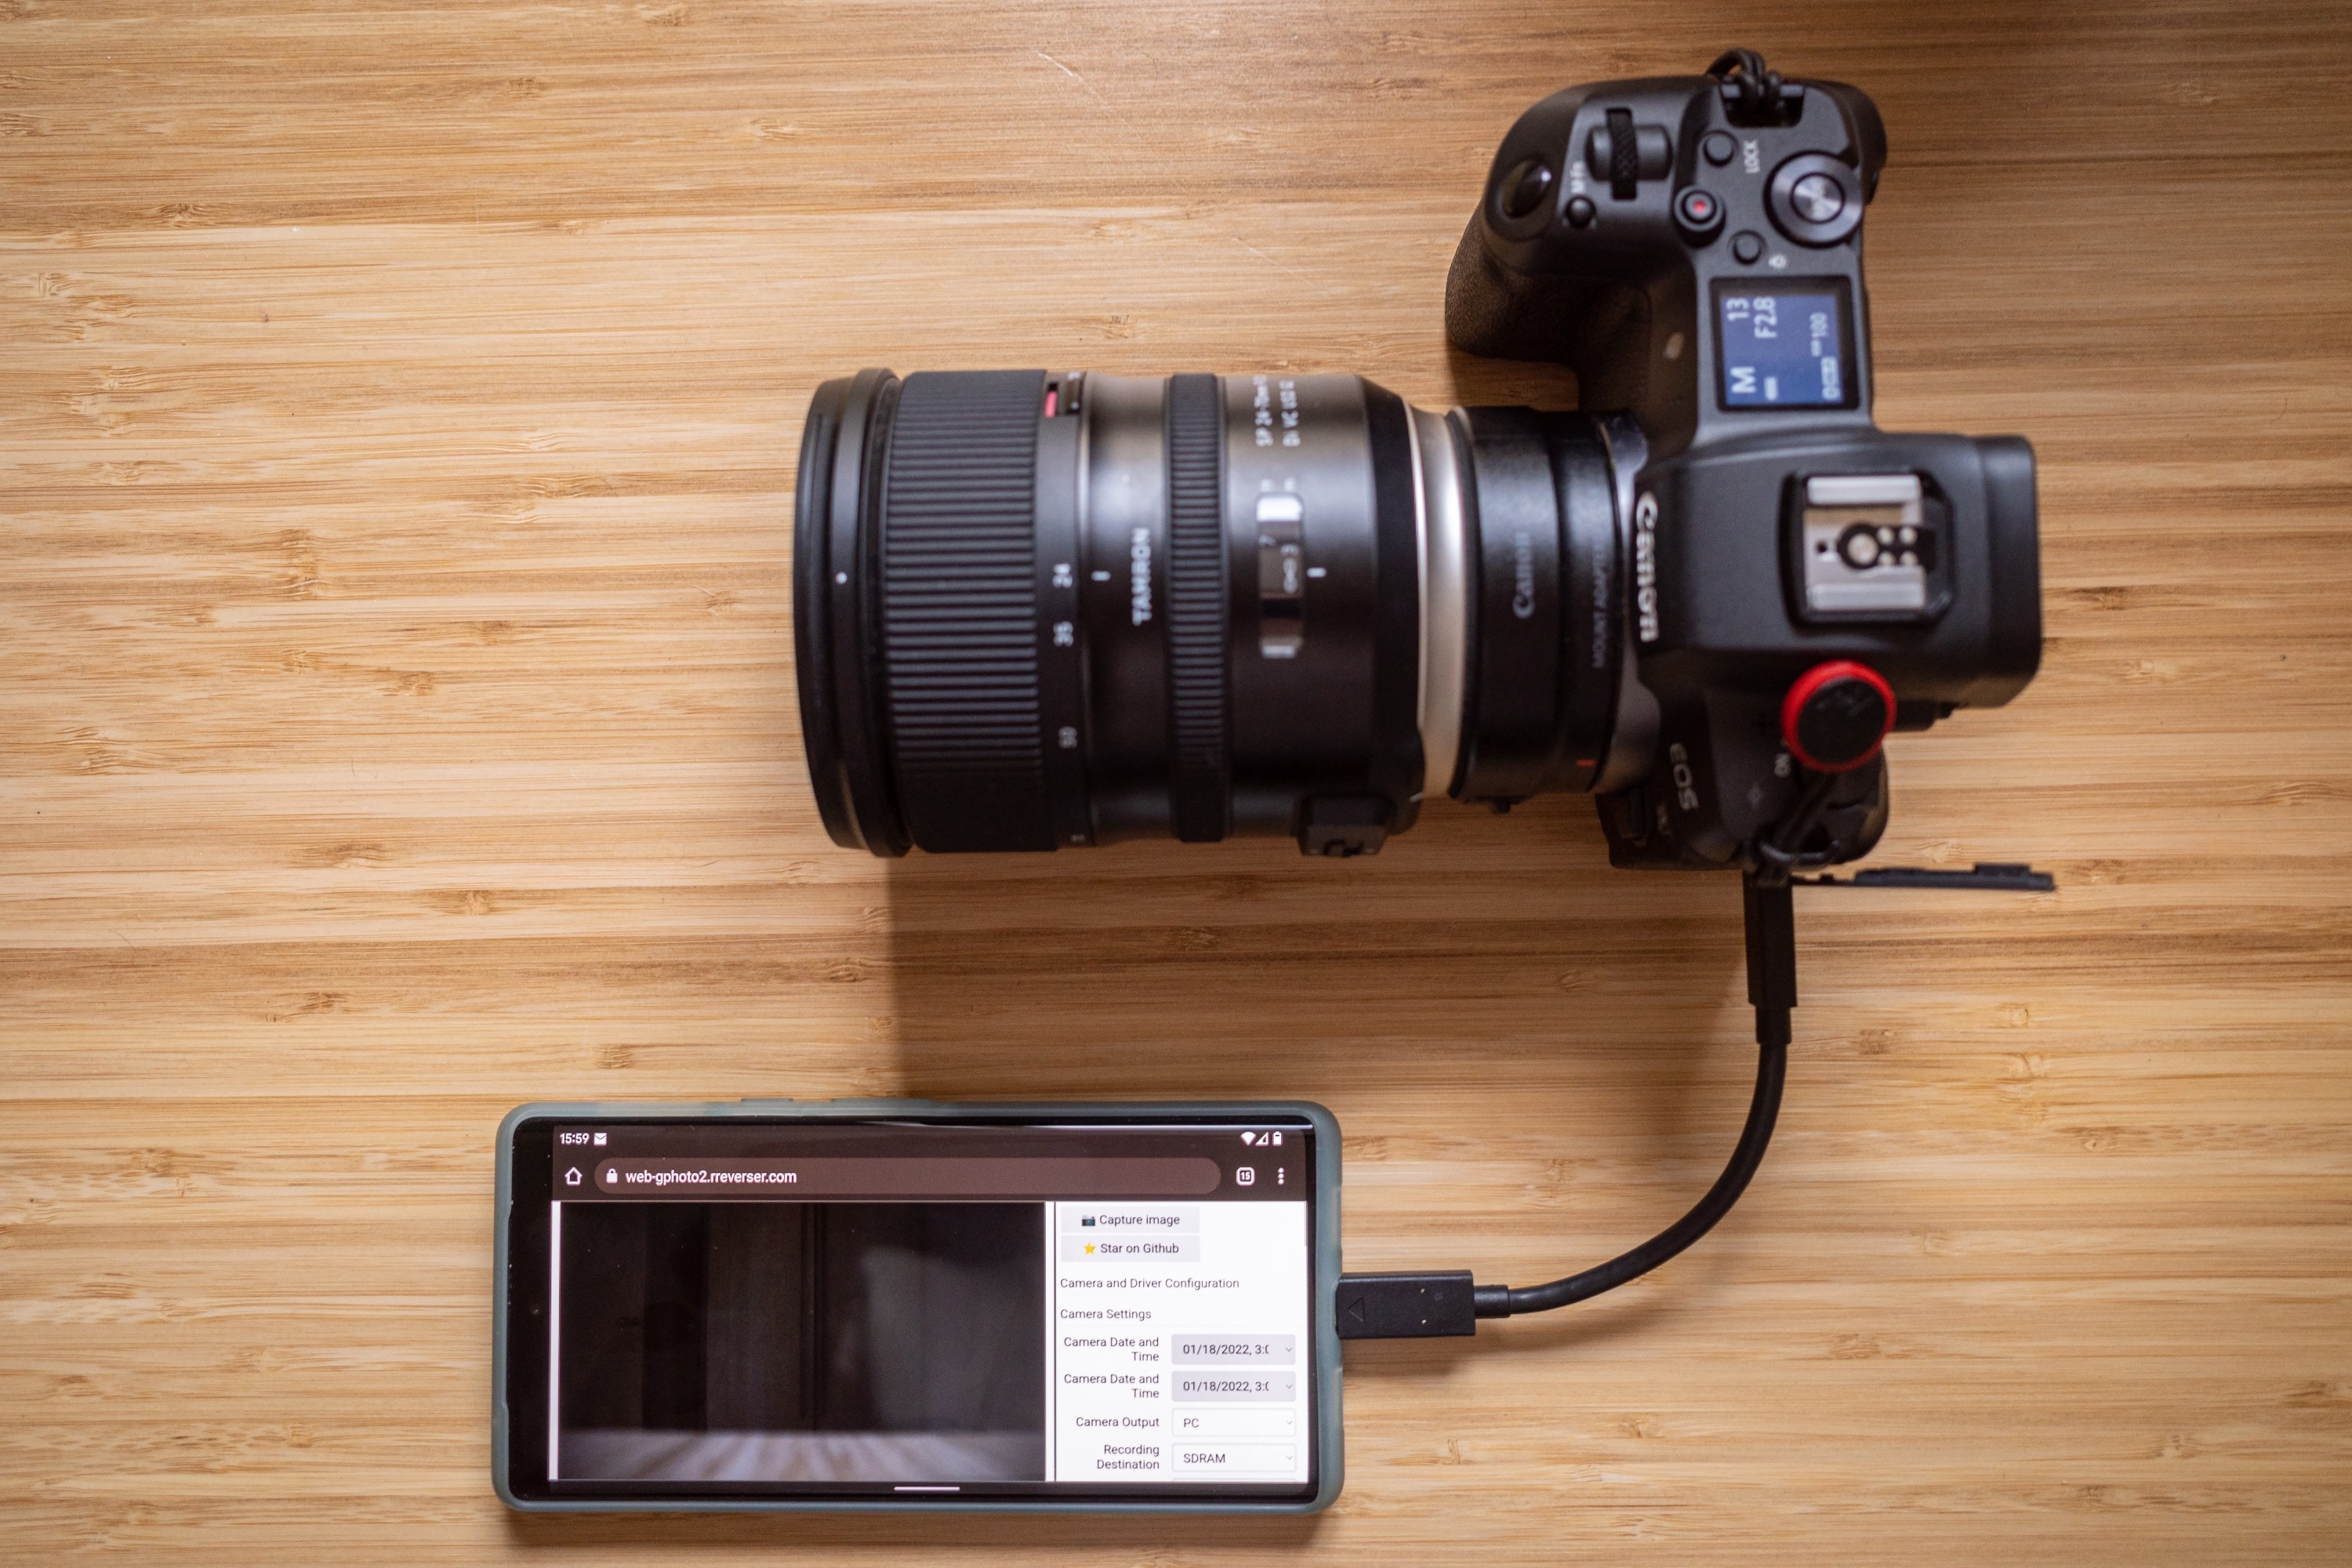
<point>1035,609</point>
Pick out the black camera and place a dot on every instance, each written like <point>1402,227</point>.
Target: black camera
<point>1039,609</point>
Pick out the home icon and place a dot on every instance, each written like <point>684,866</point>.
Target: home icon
<point>572,1177</point>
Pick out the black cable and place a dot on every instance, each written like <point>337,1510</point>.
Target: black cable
<point>1774,855</point>
<point>1772,989</point>
<point>1401,1306</point>
<point>1771,1070</point>
<point>1449,1303</point>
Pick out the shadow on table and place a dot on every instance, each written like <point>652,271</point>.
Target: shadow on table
<point>1487,994</point>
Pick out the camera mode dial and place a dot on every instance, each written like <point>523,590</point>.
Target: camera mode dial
<point>1815,199</point>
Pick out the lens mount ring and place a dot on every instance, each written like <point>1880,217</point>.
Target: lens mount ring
<point>1447,609</point>
<point>1396,765</point>
<point>1593,616</point>
<point>1546,549</point>
<point>1511,713</point>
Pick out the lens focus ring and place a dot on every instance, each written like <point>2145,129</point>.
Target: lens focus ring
<point>960,611</point>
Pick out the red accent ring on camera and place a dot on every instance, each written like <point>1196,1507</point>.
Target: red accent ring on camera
<point>1808,685</point>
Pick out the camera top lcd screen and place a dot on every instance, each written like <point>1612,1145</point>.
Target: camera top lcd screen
<point>737,1308</point>
<point>1784,345</point>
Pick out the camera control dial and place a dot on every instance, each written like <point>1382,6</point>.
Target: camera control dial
<point>1815,199</point>
<point>1625,155</point>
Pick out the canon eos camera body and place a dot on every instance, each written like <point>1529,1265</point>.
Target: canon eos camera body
<point>1040,609</point>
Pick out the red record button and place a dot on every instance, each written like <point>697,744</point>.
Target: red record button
<point>1699,212</point>
<point>1836,714</point>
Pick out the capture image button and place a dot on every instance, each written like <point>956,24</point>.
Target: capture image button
<point>1717,147</point>
<point>1699,212</point>
<point>1747,245</point>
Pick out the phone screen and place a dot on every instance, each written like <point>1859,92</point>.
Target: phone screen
<point>732,1307</point>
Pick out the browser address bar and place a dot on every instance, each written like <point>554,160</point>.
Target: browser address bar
<point>1187,1176</point>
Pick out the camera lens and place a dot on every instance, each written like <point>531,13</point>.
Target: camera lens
<point>1034,610</point>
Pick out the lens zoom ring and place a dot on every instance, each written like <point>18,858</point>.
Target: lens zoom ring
<point>1199,792</point>
<point>960,610</point>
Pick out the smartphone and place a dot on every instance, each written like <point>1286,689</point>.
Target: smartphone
<point>901,1304</point>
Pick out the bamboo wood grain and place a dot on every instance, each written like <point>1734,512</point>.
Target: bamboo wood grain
<point>397,409</point>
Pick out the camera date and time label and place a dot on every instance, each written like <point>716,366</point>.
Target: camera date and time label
<point>1180,1343</point>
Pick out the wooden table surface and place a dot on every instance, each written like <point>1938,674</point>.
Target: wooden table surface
<point>397,412</point>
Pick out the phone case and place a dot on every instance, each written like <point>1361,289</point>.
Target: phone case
<point>1324,1242</point>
